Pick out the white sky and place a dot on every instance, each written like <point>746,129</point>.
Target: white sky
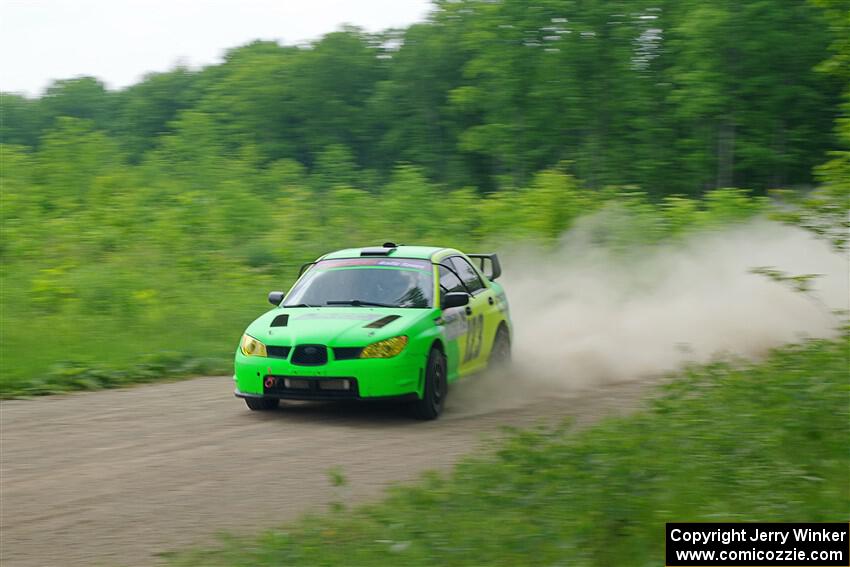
<point>118,41</point>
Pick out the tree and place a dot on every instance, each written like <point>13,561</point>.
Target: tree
<point>145,111</point>
<point>85,98</point>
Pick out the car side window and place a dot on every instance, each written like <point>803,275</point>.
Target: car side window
<point>448,281</point>
<point>467,273</point>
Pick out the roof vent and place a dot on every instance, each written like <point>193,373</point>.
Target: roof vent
<point>390,245</point>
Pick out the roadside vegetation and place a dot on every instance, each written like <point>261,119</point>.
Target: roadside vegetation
<point>140,229</point>
<point>145,311</point>
<point>729,441</point>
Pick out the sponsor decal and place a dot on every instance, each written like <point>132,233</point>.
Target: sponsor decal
<point>502,302</point>
<point>382,262</point>
<point>454,323</point>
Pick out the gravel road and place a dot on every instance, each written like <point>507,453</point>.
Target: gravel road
<point>118,477</point>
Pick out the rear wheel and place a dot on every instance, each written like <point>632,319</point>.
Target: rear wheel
<point>500,356</point>
<point>436,388</point>
<point>261,404</point>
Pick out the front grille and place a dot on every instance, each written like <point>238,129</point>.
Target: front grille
<point>310,388</point>
<point>310,355</point>
<point>278,351</point>
<point>347,353</point>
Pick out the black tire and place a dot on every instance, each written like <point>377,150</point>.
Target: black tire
<point>261,404</point>
<point>500,356</point>
<point>436,388</point>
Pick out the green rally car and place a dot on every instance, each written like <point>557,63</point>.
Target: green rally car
<point>389,322</point>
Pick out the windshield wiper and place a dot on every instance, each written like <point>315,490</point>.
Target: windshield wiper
<point>300,305</point>
<point>359,303</point>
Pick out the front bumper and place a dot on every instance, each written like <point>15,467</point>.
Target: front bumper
<point>398,377</point>
<point>324,397</point>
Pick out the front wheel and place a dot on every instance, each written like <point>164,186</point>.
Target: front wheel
<point>436,388</point>
<point>261,404</point>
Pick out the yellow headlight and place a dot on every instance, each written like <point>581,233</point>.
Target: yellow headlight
<point>385,349</point>
<point>252,347</point>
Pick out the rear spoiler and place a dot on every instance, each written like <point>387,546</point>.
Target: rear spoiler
<point>495,267</point>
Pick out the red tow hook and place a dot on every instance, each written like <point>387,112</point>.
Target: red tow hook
<point>269,382</point>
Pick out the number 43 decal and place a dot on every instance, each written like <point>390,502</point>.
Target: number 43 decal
<point>474,336</point>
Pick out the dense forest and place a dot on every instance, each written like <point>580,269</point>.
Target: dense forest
<point>673,97</point>
<point>147,222</point>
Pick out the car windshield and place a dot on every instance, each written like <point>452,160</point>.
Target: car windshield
<point>365,282</point>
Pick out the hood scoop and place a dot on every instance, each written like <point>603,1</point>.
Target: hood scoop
<point>280,321</point>
<point>382,322</point>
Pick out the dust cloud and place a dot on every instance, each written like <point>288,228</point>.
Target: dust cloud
<point>584,316</point>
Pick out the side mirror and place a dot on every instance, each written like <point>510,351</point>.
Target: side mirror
<point>455,299</point>
<point>275,297</point>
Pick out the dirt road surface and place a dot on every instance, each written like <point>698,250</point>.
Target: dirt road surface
<point>118,477</point>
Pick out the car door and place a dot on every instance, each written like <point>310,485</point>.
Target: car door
<point>454,319</point>
<point>481,326</point>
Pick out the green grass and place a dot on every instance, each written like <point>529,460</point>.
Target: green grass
<point>723,442</point>
<point>184,330</point>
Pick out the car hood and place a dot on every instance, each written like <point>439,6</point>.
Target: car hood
<point>334,326</point>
